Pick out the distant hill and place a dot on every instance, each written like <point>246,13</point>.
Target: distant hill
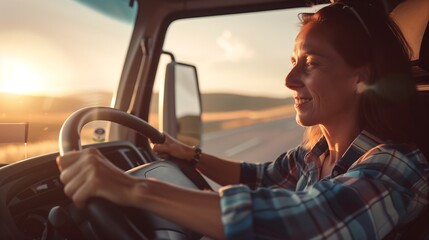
<point>212,102</point>
<point>47,113</point>
<point>226,102</point>
<point>15,103</point>
<point>221,102</point>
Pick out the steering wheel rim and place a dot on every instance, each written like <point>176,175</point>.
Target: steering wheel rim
<point>69,138</point>
<point>109,219</point>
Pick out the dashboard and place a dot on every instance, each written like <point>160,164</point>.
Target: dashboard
<point>29,189</point>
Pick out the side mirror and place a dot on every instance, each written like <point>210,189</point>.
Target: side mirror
<point>180,103</point>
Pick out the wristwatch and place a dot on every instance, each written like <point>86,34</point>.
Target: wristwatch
<point>197,155</point>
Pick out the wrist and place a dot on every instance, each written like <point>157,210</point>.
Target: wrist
<point>197,152</point>
<point>139,193</point>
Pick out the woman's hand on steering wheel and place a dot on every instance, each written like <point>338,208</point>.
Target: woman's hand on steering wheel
<point>87,173</point>
<point>173,148</point>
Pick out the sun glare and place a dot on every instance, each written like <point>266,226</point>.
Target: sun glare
<point>19,77</point>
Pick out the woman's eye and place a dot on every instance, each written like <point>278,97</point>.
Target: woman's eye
<point>310,64</point>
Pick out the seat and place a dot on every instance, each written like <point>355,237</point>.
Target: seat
<point>421,110</point>
<point>419,227</point>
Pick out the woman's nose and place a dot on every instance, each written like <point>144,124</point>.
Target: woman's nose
<point>293,79</point>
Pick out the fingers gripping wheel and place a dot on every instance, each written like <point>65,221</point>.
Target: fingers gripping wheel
<point>109,220</point>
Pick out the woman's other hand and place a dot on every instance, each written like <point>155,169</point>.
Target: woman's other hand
<point>174,148</point>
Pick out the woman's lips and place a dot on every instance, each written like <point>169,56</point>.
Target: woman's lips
<point>301,101</point>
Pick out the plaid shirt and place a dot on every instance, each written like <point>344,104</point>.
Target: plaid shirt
<point>372,189</point>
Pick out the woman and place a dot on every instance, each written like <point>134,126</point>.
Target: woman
<point>355,175</point>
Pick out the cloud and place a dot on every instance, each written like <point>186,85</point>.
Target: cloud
<point>233,48</point>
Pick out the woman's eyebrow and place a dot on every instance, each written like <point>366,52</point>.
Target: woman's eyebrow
<point>316,54</point>
<point>320,55</point>
<point>309,54</point>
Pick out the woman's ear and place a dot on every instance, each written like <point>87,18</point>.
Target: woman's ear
<point>363,78</point>
<point>364,73</point>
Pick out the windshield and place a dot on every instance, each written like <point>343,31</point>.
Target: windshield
<point>56,57</point>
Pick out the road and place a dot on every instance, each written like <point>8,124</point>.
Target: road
<point>257,143</point>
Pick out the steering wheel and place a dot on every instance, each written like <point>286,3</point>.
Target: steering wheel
<point>109,220</point>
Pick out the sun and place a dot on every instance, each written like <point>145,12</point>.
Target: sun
<point>19,77</point>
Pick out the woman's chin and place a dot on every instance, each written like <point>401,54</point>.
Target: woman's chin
<point>304,121</point>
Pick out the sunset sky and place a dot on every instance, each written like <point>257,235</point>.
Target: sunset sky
<point>39,55</point>
<point>34,62</point>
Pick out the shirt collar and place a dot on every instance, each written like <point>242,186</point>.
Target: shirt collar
<point>362,144</point>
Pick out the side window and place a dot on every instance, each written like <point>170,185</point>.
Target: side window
<point>55,58</point>
<point>242,61</point>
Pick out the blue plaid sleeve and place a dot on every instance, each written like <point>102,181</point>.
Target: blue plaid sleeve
<point>283,172</point>
<point>384,189</point>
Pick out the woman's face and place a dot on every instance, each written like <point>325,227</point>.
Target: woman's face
<point>324,85</point>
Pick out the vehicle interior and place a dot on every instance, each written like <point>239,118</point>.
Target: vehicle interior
<point>145,100</point>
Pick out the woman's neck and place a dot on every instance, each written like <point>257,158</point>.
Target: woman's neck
<point>339,139</point>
